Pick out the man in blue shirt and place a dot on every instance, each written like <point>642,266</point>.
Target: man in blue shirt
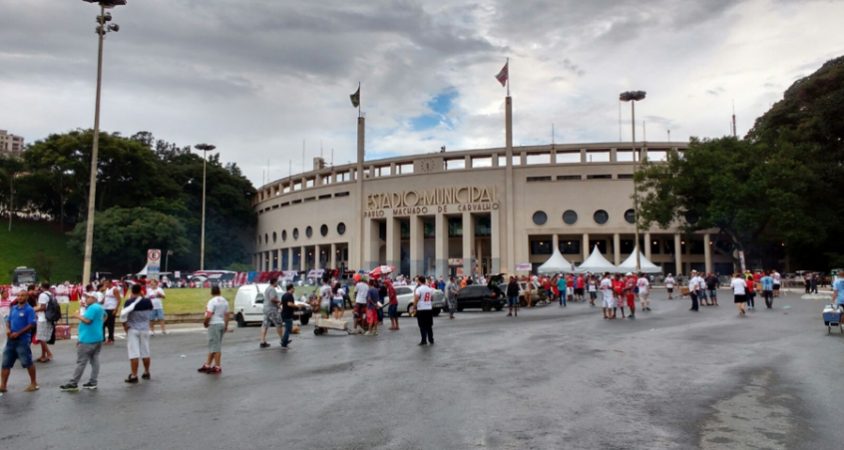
<point>19,327</point>
<point>90,343</point>
<point>838,289</point>
<point>767,283</point>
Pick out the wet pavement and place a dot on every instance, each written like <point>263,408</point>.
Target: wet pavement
<point>551,378</point>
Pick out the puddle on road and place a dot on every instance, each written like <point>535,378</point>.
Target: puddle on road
<point>760,415</point>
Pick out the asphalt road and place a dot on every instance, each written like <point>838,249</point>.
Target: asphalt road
<point>552,378</point>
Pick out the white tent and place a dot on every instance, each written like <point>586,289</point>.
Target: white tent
<point>645,265</point>
<point>557,263</point>
<point>596,263</point>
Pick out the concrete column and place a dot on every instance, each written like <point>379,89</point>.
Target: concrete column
<point>647,245</point>
<point>468,239</point>
<point>495,238</point>
<point>613,155</point>
<point>441,245</point>
<point>553,155</point>
<point>317,262</point>
<point>371,244</point>
<point>555,242</point>
<point>707,252</point>
<point>278,255</point>
<point>583,155</point>
<point>416,246</point>
<point>678,254</point>
<point>259,261</point>
<point>616,248</point>
<point>585,249</point>
<point>394,243</point>
<point>332,259</point>
<point>303,255</point>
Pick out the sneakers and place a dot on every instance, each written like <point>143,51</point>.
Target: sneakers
<point>145,376</point>
<point>131,379</point>
<point>264,345</point>
<point>203,369</point>
<point>32,388</point>
<point>91,386</point>
<point>215,369</point>
<point>423,343</point>
<point>69,387</point>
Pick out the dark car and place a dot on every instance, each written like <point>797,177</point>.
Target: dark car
<point>479,296</point>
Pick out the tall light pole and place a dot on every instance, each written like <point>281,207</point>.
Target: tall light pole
<point>205,149</point>
<point>101,30</point>
<point>633,97</point>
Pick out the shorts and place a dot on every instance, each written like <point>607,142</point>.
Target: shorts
<point>670,290</point>
<point>512,301</point>
<point>608,302</point>
<point>336,305</point>
<point>44,331</point>
<point>578,291</point>
<point>272,319</point>
<point>17,350</point>
<point>371,316</point>
<point>215,338</point>
<point>393,311</point>
<point>740,298</point>
<point>137,343</point>
<point>776,287</point>
<point>593,295</point>
<point>360,310</point>
<point>157,314</point>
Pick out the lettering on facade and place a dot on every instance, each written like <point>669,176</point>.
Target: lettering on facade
<point>439,200</point>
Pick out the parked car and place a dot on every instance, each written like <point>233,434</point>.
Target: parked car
<point>404,295</point>
<point>479,296</point>
<point>249,305</point>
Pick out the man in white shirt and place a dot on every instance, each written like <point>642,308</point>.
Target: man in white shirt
<point>695,283</point>
<point>669,286</point>
<point>44,329</point>
<point>608,300</point>
<point>156,294</point>
<point>361,291</point>
<point>644,292</point>
<point>423,302</point>
<point>739,286</point>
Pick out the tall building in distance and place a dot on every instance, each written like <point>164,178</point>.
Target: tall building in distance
<point>10,144</point>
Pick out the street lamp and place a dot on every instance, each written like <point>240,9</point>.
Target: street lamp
<point>205,148</point>
<point>103,27</point>
<point>633,97</point>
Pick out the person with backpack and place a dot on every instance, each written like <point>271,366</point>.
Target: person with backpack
<point>46,327</point>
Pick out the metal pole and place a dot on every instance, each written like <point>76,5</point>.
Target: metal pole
<point>11,198</point>
<point>635,191</point>
<point>202,235</point>
<point>92,187</point>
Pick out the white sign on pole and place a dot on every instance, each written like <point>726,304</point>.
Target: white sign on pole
<point>523,267</point>
<point>153,263</point>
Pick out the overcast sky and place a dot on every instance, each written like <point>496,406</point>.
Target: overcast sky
<point>259,77</point>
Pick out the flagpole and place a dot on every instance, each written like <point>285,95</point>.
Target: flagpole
<point>359,99</point>
<point>508,76</point>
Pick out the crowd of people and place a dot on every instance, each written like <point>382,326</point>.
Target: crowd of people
<point>138,307</point>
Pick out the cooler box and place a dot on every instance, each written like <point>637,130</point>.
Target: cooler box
<point>831,315</point>
<point>62,332</point>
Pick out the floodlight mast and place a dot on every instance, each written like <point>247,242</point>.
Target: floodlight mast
<point>101,31</point>
<point>633,97</point>
<point>205,148</point>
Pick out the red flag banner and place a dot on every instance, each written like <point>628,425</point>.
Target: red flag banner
<point>503,74</point>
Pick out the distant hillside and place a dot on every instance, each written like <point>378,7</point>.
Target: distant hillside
<point>37,245</point>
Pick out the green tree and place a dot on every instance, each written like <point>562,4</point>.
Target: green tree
<point>122,237</point>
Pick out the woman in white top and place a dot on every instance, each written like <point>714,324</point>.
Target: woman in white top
<point>669,286</point>
<point>157,295</point>
<point>217,322</point>
<point>739,293</point>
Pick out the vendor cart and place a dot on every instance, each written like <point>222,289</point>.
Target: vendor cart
<point>832,318</point>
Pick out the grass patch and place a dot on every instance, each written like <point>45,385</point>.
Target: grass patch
<point>35,244</point>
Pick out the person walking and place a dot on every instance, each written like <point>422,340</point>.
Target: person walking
<point>739,286</point>
<point>288,306</point>
<point>111,300</point>
<point>5,304</point>
<point>156,294</point>
<point>451,289</point>
<point>136,326</point>
<point>89,344</point>
<point>775,275</point>
<point>561,291</point>
<point>423,302</point>
<point>838,290</point>
<point>712,289</point>
<point>217,323</point>
<point>669,286</point>
<point>44,329</point>
<point>361,292</point>
<point>592,287</point>
<point>393,308</point>
<point>695,290</point>
<point>767,283</point>
<point>644,286</point>
<point>337,301</point>
<point>750,292</point>
<point>272,303</point>
<point>629,291</point>
<point>19,325</point>
<point>373,300</point>
<point>513,296</point>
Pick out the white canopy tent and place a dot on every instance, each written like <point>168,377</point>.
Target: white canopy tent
<point>557,263</point>
<point>596,263</point>
<point>645,265</point>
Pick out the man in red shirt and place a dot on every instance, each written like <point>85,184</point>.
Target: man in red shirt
<point>618,292</point>
<point>629,293</point>
<point>579,284</point>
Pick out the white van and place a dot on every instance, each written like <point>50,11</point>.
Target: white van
<point>249,305</point>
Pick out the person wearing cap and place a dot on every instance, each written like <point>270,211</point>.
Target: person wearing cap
<point>695,283</point>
